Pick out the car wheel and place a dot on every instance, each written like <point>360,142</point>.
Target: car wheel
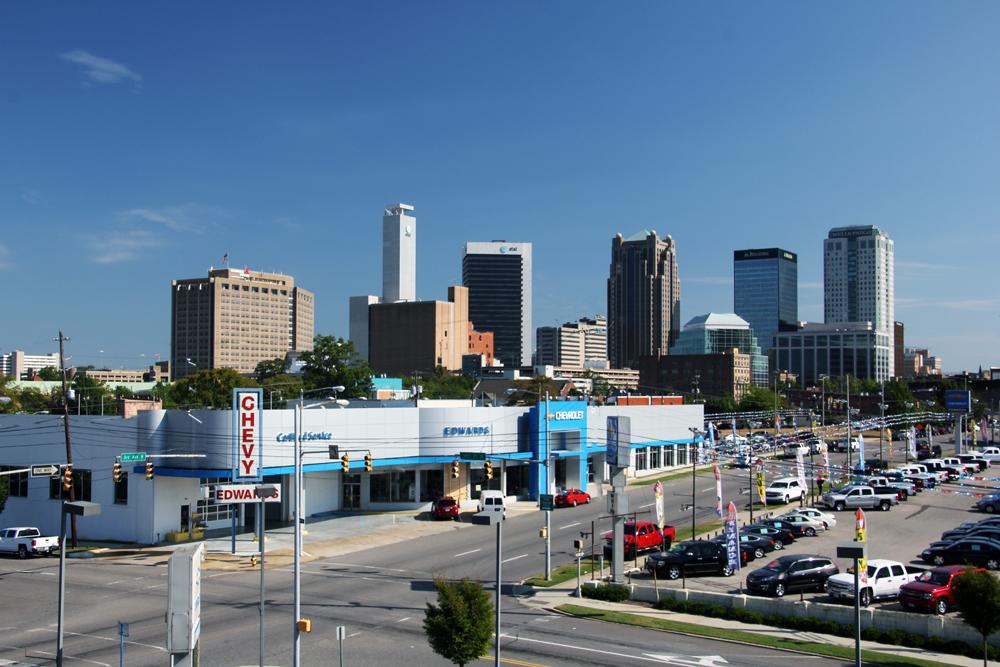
<point>839,506</point>
<point>941,607</point>
<point>779,590</point>
<point>992,564</point>
<point>989,509</point>
<point>778,546</point>
<point>810,532</point>
<point>22,552</point>
<point>727,571</point>
<point>673,572</point>
<point>938,560</point>
<point>758,553</point>
<point>884,505</point>
<point>574,503</point>
<point>866,597</point>
<point>786,500</point>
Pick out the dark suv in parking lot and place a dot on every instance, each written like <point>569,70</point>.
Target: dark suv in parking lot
<point>792,573</point>
<point>692,557</point>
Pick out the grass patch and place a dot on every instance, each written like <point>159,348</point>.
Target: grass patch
<point>699,529</point>
<point>769,641</point>
<point>562,573</point>
<point>678,474</point>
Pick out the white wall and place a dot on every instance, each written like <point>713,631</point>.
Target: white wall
<point>322,492</point>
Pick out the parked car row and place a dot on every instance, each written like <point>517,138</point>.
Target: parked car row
<point>974,543</point>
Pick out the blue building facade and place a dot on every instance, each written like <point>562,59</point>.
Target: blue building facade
<point>766,291</point>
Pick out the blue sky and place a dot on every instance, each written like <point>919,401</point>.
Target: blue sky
<point>140,143</point>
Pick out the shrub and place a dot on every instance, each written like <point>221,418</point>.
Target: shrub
<point>607,592</point>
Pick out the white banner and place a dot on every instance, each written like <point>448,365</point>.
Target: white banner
<point>800,467</point>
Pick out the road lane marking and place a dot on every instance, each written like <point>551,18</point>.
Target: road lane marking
<point>569,525</point>
<point>646,505</point>
<point>512,661</point>
<point>507,560</point>
<point>629,656</point>
<point>404,619</point>
<point>466,553</point>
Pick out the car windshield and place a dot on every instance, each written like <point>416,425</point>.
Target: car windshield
<point>444,502</point>
<point>774,565</point>
<point>871,570</point>
<point>680,547</point>
<point>630,529</point>
<point>936,578</point>
<point>779,485</point>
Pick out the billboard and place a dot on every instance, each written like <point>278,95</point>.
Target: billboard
<point>619,439</point>
<point>957,400</point>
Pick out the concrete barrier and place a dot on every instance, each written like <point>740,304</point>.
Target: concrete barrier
<point>926,625</point>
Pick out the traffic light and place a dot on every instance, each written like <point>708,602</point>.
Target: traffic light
<point>345,462</point>
<point>368,462</point>
<point>489,470</point>
<point>117,472</point>
<point>454,469</point>
<point>68,477</point>
<point>149,469</point>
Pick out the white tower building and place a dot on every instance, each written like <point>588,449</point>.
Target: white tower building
<point>858,282</point>
<point>399,254</point>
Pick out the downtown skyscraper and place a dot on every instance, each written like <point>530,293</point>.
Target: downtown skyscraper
<point>858,283</point>
<point>644,298</point>
<point>766,291</point>
<point>498,275</point>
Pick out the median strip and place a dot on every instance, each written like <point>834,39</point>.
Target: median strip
<point>740,636</point>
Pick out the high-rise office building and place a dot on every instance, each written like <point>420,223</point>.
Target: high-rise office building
<point>575,344</point>
<point>498,275</point>
<point>17,364</point>
<point>766,291</point>
<point>419,336</point>
<point>399,254</point>
<point>858,282</point>
<point>644,298</point>
<point>718,333</point>
<point>235,319</point>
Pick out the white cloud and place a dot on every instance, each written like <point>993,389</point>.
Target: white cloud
<point>708,280</point>
<point>31,196</point>
<point>6,264</point>
<point>924,266</point>
<point>182,218</point>
<point>126,246</point>
<point>101,70</point>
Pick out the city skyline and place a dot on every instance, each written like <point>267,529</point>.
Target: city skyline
<point>168,161</point>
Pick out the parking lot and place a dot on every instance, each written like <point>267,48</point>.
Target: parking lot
<point>899,534</point>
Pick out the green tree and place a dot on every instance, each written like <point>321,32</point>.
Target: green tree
<point>529,392</point>
<point>459,627</point>
<point>268,369</point>
<point>279,388</point>
<point>50,373</point>
<point>442,384</point>
<point>897,395</point>
<point>91,395</point>
<point>759,399</point>
<point>333,362</point>
<point>977,595</point>
<point>4,487</point>
<point>210,388</point>
<point>715,404</point>
<point>601,387</point>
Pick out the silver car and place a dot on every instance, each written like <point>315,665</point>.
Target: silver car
<point>810,526</point>
<point>828,519</point>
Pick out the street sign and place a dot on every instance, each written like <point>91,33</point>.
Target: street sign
<point>132,457</point>
<point>546,502</point>
<point>472,456</point>
<point>243,493</point>
<point>957,400</point>
<point>46,470</point>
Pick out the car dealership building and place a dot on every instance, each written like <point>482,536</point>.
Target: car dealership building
<point>413,450</point>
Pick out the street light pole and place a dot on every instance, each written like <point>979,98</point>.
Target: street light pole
<point>548,485</point>
<point>297,548</point>
<point>848,382</point>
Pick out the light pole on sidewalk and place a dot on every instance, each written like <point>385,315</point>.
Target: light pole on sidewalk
<point>264,491</point>
<point>697,434</point>
<point>489,518</point>
<point>548,483</point>
<point>69,508</point>
<point>298,622</point>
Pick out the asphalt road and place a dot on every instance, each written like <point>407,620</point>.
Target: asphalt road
<point>379,595</point>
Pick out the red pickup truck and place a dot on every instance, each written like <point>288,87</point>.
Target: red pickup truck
<point>932,590</point>
<point>642,536</point>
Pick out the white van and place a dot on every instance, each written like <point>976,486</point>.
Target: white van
<point>491,499</point>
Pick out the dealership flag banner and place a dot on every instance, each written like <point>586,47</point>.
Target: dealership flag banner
<point>658,494</point>
<point>861,535</point>
<point>734,430</point>
<point>711,434</point>
<point>800,466</point>
<point>777,423</point>
<point>911,438</point>
<point>861,449</point>
<point>732,538</point>
<point>760,480</point>
<point>930,438</point>
<point>825,451</point>
<point>718,491</point>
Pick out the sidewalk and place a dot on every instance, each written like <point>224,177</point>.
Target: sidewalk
<point>550,598</point>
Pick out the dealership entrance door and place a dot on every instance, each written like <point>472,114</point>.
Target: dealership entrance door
<point>351,498</point>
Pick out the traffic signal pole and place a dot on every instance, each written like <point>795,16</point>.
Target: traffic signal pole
<point>69,448</point>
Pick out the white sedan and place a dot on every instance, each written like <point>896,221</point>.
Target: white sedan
<point>827,519</point>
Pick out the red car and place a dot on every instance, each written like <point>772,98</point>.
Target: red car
<point>932,590</point>
<point>572,498</point>
<point>642,536</point>
<point>445,507</point>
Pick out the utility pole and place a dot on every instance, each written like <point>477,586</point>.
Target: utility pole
<point>69,449</point>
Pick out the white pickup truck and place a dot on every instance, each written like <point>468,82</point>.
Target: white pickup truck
<point>884,579</point>
<point>26,542</point>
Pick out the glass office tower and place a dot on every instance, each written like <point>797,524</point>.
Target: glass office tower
<point>766,291</point>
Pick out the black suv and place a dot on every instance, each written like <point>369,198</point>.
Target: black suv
<point>692,557</point>
<point>792,573</point>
